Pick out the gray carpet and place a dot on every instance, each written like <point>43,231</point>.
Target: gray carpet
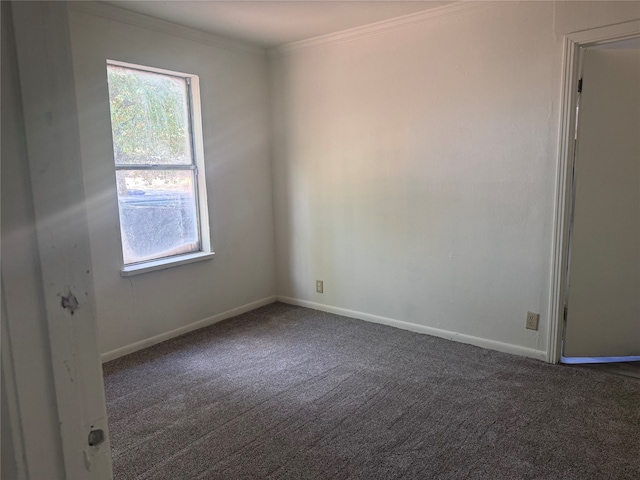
<point>286,392</point>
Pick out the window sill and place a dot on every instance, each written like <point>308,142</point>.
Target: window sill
<point>164,263</point>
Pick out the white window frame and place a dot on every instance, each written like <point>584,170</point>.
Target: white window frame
<point>197,142</point>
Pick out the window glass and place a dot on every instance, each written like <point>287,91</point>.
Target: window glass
<point>149,117</point>
<point>155,169</point>
<point>157,214</point>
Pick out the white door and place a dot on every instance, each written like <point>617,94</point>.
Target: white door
<point>604,281</point>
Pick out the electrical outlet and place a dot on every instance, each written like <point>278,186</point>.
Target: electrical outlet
<point>532,320</point>
<point>319,286</point>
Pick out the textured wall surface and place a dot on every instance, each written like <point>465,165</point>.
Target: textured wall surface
<point>414,170</point>
<point>575,16</point>
<point>234,97</point>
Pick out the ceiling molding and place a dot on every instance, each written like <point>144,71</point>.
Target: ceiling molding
<point>425,16</point>
<point>122,15</point>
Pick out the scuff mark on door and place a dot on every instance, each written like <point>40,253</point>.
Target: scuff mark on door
<point>70,302</point>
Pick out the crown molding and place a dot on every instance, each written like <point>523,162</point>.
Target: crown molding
<point>425,16</point>
<point>122,15</point>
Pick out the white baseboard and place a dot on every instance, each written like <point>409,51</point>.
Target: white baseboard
<point>147,342</point>
<point>436,332</point>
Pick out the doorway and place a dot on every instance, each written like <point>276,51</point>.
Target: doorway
<point>575,44</point>
<point>602,296</point>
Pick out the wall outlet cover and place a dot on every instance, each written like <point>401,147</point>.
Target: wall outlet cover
<point>319,286</point>
<point>532,320</point>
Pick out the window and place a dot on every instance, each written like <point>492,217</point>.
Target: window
<point>157,146</point>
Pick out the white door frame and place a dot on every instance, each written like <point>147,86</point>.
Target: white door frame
<point>573,42</point>
<point>50,116</point>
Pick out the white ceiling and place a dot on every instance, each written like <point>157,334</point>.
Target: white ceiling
<point>270,23</point>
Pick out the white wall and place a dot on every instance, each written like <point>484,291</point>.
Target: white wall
<point>571,16</point>
<point>235,120</point>
<point>414,171</point>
